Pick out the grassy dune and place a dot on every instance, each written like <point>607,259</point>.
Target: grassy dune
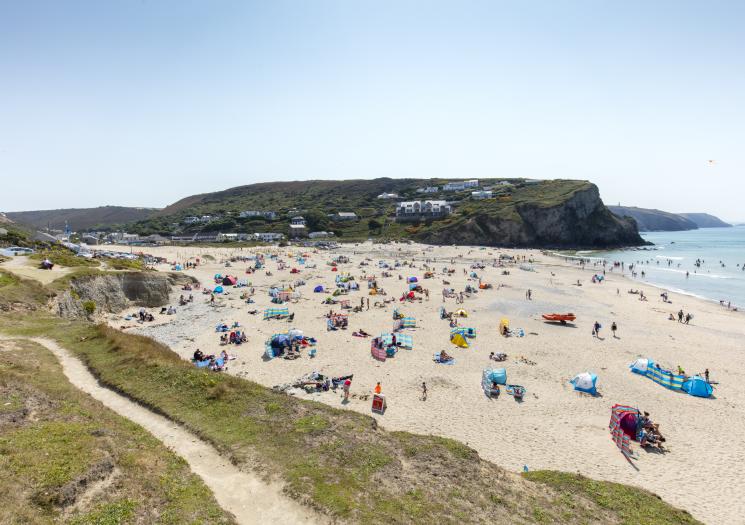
<point>340,462</point>
<point>65,457</point>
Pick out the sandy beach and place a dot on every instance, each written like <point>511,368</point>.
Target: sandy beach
<point>555,427</point>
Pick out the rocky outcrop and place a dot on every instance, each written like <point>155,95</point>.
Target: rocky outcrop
<point>111,293</point>
<point>579,221</point>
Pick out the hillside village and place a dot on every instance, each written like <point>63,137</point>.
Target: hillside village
<point>292,225</point>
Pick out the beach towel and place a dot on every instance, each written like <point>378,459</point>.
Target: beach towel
<point>436,359</point>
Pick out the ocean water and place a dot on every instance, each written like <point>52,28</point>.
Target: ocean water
<point>720,277</point>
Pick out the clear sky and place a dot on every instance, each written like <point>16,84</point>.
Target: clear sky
<point>143,102</point>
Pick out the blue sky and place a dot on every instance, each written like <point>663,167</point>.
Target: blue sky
<point>145,102</point>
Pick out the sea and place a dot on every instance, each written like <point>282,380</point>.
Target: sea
<point>671,262</point>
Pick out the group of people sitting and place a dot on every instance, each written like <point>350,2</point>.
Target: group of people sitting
<point>145,316</point>
<point>233,338</point>
<point>648,433</point>
<point>170,310</point>
<point>182,301</point>
<point>215,364</point>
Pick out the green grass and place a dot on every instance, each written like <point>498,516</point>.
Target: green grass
<point>631,506</point>
<point>125,264</point>
<point>60,435</point>
<point>63,257</point>
<point>335,460</point>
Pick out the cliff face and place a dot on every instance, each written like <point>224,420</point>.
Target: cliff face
<point>705,220</point>
<point>580,221</point>
<point>650,220</point>
<point>114,292</point>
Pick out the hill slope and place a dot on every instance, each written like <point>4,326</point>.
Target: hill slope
<point>650,220</point>
<point>550,213</point>
<point>705,220</point>
<point>81,218</point>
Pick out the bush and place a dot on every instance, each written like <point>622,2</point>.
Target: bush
<point>89,307</point>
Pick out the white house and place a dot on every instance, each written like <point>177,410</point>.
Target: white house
<point>256,213</point>
<point>412,210</point>
<point>268,237</point>
<point>205,218</point>
<point>388,196</point>
<point>227,237</point>
<point>345,216</point>
<point>428,189</point>
<point>461,185</point>
<point>190,220</point>
<point>478,195</point>
<point>320,235</point>
<point>297,221</point>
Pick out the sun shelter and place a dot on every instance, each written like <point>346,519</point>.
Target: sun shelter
<point>460,313</point>
<point>271,313</point>
<point>378,349</point>
<point>229,280</point>
<point>318,289</point>
<point>411,280</point>
<point>493,375</point>
<point>504,326</point>
<point>413,286</point>
<point>585,382</point>
<point>458,339</point>
<point>218,289</point>
<point>275,343</point>
<point>698,386</point>
<point>404,322</point>
<point>623,425</point>
<point>464,331</point>
<point>403,340</point>
<point>666,378</point>
<point>337,321</point>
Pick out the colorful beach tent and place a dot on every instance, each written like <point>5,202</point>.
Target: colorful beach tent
<point>229,280</point>
<point>218,289</point>
<point>622,426</point>
<point>698,386</point>
<point>461,313</point>
<point>504,325</point>
<point>458,339</point>
<point>493,375</point>
<point>585,382</point>
<point>695,386</point>
<point>411,280</point>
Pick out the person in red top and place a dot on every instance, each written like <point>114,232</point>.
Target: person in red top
<point>378,388</point>
<point>347,385</point>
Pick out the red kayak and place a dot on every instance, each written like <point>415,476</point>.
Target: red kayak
<point>561,318</point>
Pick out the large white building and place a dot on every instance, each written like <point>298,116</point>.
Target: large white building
<point>412,210</point>
<point>479,195</point>
<point>388,196</point>
<point>256,213</point>
<point>461,185</point>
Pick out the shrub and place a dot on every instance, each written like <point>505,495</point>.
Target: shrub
<point>89,307</point>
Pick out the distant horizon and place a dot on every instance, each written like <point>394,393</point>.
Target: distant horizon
<point>143,103</point>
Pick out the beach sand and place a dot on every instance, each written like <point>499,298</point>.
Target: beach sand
<point>555,427</point>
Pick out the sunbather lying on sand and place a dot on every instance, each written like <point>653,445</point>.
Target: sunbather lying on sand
<point>445,357</point>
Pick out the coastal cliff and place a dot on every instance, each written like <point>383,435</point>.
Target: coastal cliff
<point>111,293</point>
<point>581,220</point>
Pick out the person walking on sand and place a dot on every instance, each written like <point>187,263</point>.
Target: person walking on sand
<point>368,303</point>
<point>424,388</point>
<point>378,388</point>
<point>706,375</point>
<point>680,315</point>
<point>596,330</point>
<point>529,294</point>
<point>347,385</point>
<point>613,328</point>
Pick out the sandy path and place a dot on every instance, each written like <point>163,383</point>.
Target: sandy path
<point>28,268</point>
<point>250,499</point>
